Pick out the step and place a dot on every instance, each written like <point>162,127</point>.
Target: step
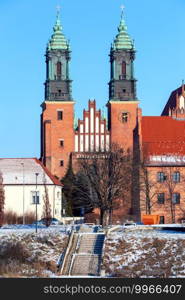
<point>86,265</point>
<point>90,247</point>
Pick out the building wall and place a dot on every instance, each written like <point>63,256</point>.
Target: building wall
<point>122,132</point>
<point>127,135</point>
<point>14,195</point>
<point>164,187</point>
<point>53,131</point>
<point>92,134</point>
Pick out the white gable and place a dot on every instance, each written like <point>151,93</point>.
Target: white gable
<point>22,170</point>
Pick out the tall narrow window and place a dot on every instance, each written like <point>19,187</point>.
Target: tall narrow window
<point>61,163</point>
<point>176,198</point>
<point>59,70</point>
<point>35,197</point>
<point>176,177</point>
<point>124,69</point>
<point>161,177</point>
<point>60,115</point>
<point>160,198</point>
<point>61,143</point>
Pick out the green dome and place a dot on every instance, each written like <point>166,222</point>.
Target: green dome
<point>58,40</point>
<point>123,40</point>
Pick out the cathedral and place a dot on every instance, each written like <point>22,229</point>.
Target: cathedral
<point>159,140</point>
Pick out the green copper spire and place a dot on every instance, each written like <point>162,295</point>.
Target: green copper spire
<point>123,40</point>
<point>58,40</point>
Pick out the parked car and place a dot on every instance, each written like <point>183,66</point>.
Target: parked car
<point>129,224</point>
<point>139,223</point>
<point>54,221</point>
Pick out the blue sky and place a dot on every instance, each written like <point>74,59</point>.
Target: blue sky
<point>157,26</point>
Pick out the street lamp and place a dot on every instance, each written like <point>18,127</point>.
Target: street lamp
<point>36,174</point>
<point>23,198</point>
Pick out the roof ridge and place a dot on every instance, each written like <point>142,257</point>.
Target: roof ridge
<point>50,175</point>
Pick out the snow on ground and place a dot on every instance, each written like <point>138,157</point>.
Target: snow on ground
<point>144,253</point>
<point>150,233</point>
<point>23,253</point>
<point>127,252</point>
<point>20,229</point>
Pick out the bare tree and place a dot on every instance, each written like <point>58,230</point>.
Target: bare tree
<point>2,200</point>
<point>171,184</point>
<point>47,206</point>
<point>82,195</point>
<point>169,171</point>
<point>109,175</point>
<point>149,188</point>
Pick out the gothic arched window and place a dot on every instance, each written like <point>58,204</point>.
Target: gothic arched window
<point>59,70</point>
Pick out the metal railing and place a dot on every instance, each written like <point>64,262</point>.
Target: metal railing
<point>67,252</point>
<point>74,254</point>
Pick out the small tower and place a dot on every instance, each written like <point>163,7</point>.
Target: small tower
<point>57,119</point>
<point>123,103</point>
<point>58,83</point>
<point>122,85</point>
<point>124,115</point>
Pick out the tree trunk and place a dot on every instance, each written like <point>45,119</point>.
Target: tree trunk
<point>104,217</point>
<point>101,216</point>
<point>110,216</point>
<point>148,201</point>
<point>172,212</point>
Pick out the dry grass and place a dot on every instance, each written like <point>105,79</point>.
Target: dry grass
<point>144,257</point>
<point>16,251</point>
<point>30,255</point>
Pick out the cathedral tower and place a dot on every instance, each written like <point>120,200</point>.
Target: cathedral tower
<point>57,119</point>
<point>123,102</point>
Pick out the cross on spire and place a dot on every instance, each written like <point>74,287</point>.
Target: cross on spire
<point>122,11</point>
<point>58,8</point>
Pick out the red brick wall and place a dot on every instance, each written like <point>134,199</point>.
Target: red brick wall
<point>57,130</point>
<point>164,209</point>
<point>122,133</point>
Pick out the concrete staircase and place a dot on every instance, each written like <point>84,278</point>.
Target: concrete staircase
<point>87,259</point>
<point>86,265</point>
<point>91,243</point>
<point>84,256</point>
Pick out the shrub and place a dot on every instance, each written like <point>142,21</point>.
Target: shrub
<point>14,251</point>
<point>10,217</point>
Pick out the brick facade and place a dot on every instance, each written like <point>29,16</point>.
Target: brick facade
<point>122,131</point>
<point>146,138</point>
<point>53,132</point>
<point>164,206</point>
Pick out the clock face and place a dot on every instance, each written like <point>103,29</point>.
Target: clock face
<point>124,117</point>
